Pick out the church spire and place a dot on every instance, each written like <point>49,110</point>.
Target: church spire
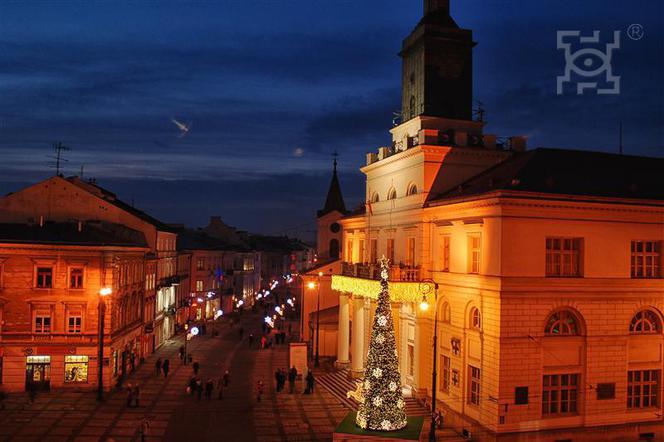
<point>432,6</point>
<point>334,200</point>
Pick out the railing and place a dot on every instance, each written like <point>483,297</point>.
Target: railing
<point>400,273</point>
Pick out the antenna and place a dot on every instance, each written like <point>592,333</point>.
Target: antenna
<point>59,148</point>
<point>479,112</point>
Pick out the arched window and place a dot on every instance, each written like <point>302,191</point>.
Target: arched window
<point>562,323</point>
<point>475,318</point>
<point>375,197</point>
<point>412,190</point>
<point>446,314</point>
<point>392,194</point>
<point>645,322</point>
<point>334,248</point>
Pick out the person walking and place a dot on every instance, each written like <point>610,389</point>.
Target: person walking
<point>263,342</point>
<point>199,389</point>
<point>259,391</point>
<point>209,387</point>
<point>165,366</point>
<point>196,366</point>
<point>181,351</point>
<point>292,376</point>
<point>157,366</point>
<point>191,389</point>
<point>310,382</point>
<point>227,378</point>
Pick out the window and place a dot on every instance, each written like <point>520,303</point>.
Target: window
<point>0,370</point>
<point>44,277</point>
<point>76,368</point>
<point>475,318</point>
<point>76,278</point>
<point>412,190</point>
<point>410,257</point>
<point>473,385</point>
<point>645,259</point>
<point>74,321</point>
<point>474,253</point>
<point>200,265</point>
<point>643,388</point>
<point>334,248</point>
<point>43,322</point>
<point>349,252</point>
<point>390,250</point>
<point>447,313</point>
<point>374,251</point>
<point>199,285</point>
<point>645,322</point>
<point>606,391</point>
<point>445,364</point>
<point>446,254</point>
<point>520,395</point>
<point>560,394</point>
<point>362,257</point>
<point>392,194</point>
<point>375,197</point>
<point>562,323</point>
<point>411,359</point>
<point>563,257</point>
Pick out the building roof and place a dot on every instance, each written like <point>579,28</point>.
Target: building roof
<point>189,239</point>
<point>334,200</point>
<point>91,233</point>
<point>569,172</point>
<point>280,244</point>
<point>112,198</point>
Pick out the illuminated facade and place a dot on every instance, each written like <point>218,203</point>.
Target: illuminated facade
<point>548,264</point>
<point>50,281</point>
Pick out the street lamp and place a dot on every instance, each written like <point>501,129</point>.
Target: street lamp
<point>103,293</point>
<point>426,287</point>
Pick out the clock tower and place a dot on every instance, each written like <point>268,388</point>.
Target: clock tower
<point>437,72</point>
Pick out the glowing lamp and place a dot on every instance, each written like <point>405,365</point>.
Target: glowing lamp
<point>105,291</point>
<point>311,285</point>
<point>424,305</point>
<point>194,331</point>
<point>320,273</point>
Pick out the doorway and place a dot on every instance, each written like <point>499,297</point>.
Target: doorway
<point>38,373</point>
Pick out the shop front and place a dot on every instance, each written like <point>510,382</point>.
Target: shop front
<point>38,373</point>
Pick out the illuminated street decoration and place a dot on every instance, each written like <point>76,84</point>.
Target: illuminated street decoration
<point>368,288</point>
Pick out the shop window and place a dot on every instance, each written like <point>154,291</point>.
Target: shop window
<point>76,278</point>
<point>645,259</point>
<point>643,388</point>
<point>76,369</point>
<point>44,277</point>
<point>560,394</point>
<point>43,322</point>
<point>563,257</point>
<point>473,385</point>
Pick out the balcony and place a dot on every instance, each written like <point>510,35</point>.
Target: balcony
<point>399,273</point>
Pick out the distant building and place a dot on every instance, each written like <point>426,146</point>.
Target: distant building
<point>548,265</point>
<point>51,275</point>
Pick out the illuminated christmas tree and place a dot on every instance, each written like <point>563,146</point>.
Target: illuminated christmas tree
<point>383,407</point>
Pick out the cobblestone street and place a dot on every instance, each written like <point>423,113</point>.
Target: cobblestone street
<point>171,414</point>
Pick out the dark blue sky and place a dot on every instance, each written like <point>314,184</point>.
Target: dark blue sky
<point>273,87</point>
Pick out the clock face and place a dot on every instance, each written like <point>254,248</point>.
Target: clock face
<point>335,227</point>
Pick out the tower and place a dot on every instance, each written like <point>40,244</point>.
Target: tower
<point>437,70</point>
<point>329,230</point>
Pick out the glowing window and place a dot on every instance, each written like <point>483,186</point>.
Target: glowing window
<point>76,368</point>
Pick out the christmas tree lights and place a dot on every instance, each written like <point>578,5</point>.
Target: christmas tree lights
<point>383,407</point>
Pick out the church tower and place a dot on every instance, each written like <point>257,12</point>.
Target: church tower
<point>437,72</point>
<point>329,230</point>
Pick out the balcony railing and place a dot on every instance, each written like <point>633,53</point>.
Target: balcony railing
<point>372,271</point>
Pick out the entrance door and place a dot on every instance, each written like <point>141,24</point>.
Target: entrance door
<point>38,373</point>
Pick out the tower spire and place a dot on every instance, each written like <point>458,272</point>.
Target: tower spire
<point>334,200</point>
<point>442,6</point>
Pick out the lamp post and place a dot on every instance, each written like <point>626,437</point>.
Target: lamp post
<point>426,287</point>
<point>186,338</point>
<point>103,293</point>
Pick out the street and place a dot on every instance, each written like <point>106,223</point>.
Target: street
<point>167,412</point>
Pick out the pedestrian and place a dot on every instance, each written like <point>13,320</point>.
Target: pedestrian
<point>199,389</point>
<point>157,366</point>
<point>310,382</point>
<point>130,395</point>
<point>263,342</point>
<point>220,388</point>
<point>181,351</point>
<point>165,367</point>
<point>196,366</point>
<point>259,391</point>
<point>227,378</point>
<point>292,375</point>
<point>136,393</point>
<point>438,419</point>
<point>191,389</point>
<point>209,387</point>
<point>251,340</point>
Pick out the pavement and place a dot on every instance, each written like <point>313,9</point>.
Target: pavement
<point>168,413</point>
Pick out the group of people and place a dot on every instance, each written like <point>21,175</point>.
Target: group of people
<point>197,387</point>
<point>162,367</point>
<point>280,378</point>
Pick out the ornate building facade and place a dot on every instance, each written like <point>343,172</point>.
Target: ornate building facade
<point>547,265</point>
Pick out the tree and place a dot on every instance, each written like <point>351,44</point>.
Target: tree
<point>383,407</point>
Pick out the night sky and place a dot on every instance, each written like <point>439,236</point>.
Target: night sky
<point>272,88</point>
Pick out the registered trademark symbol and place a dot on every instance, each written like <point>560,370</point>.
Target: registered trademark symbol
<point>635,31</point>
